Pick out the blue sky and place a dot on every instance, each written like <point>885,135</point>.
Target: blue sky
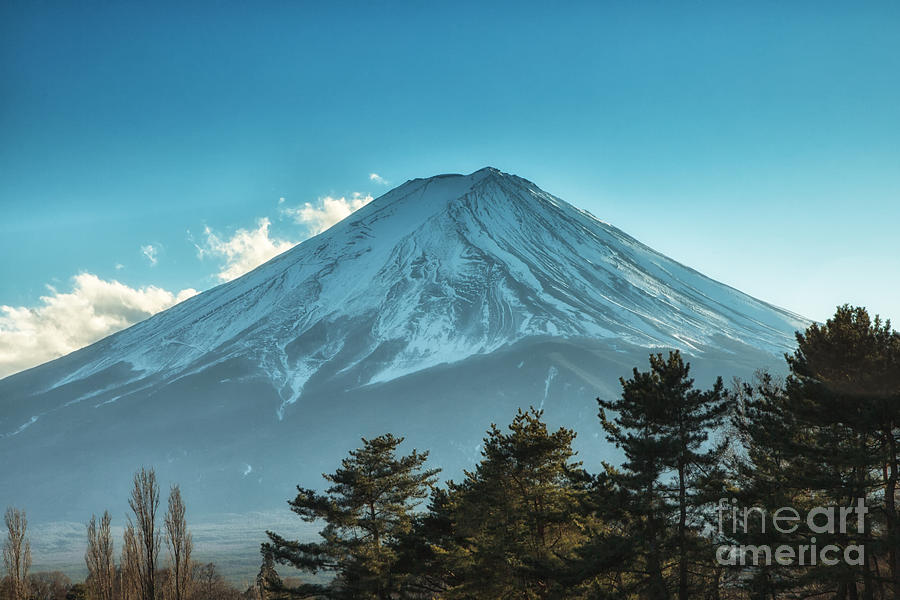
<point>756,142</point>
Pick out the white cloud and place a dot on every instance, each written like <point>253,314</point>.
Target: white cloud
<point>65,322</point>
<point>378,179</point>
<point>243,251</point>
<point>327,212</point>
<point>150,251</point>
<point>246,249</point>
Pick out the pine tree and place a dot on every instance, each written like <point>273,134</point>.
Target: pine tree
<point>768,466</point>
<point>663,424</point>
<point>512,527</point>
<point>268,581</point>
<point>423,551</point>
<point>850,369</point>
<point>613,563</point>
<point>827,437</point>
<point>845,386</point>
<point>367,510</point>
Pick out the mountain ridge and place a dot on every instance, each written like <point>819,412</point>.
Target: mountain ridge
<point>438,308</point>
<point>440,229</point>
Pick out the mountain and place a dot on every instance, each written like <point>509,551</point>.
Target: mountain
<point>439,307</point>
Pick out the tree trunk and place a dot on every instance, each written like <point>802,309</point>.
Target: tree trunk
<point>891,510</point>
<point>658,589</point>
<point>144,502</point>
<point>682,535</point>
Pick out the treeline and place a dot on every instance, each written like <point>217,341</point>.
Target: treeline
<point>139,574</point>
<point>769,489</point>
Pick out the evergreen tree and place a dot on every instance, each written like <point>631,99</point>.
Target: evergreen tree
<point>768,466</point>
<point>268,581</point>
<point>367,510</point>
<point>845,385</point>
<point>423,551</point>
<point>827,437</point>
<point>609,562</point>
<point>511,528</point>
<point>845,376</point>
<point>663,424</point>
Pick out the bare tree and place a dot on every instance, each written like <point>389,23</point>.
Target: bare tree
<point>99,559</point>
<point>17,553</point>
<point>130,574</point>
<point>144,503</point>
<point>179,542</point>
<point>52,585</point>
<point>210,585</point>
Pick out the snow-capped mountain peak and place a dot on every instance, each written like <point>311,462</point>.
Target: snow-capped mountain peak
<point>440,307</point>
<point>435,271</point>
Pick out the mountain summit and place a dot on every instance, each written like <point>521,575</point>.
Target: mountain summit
<point>435,271</point>
<point>444,304</point>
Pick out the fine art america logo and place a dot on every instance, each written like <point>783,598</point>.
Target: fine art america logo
<point>825,521</point>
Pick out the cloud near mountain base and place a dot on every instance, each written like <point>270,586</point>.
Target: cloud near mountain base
<point>64,322</point>
<point>95,308</point>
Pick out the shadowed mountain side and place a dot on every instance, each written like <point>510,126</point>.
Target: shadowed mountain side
<point>213,433</point>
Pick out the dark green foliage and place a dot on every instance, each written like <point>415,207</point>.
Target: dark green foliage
<point>267,580</point>
<point>764,471</point>
<point>510,529</point>
<point>827,437</point>
<point>367,510</point>
<point>529,523</point>
<point>670,473</point>
<point>423,552</point>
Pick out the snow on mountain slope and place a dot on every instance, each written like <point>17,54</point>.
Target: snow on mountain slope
<point>435,271</point>
<point>439,308</point>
